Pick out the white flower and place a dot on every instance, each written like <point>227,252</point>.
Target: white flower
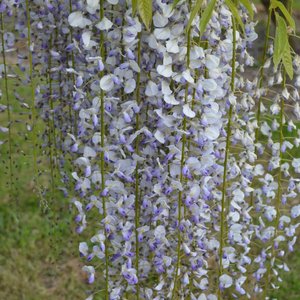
<point>89,152</point>
<point>76,19</point>
<point>225,281</point>
<point>187,76</point>
<point>92,6</point>
<point>170,99</point>
<point>188,112</point>
<point>209,85</point>
<point>172,46</point>
<point>159,136</point>
<point>195,191</point>
<point>151,89</point>
<point>285,94</point>
<point>160,286</point>
<point>295,211</point>
<point>270,213</point>
<point>83,248</point>
<point>113,2</point>
<point>91,273</point>
<point>130,86</point>
<point>212,132</point>
<point>204,284</point>
<point>212,62</point>
<point>159,20</point>
<point>107,83</point>
<point>296,164</point>
<point>165,70</point>
<point>86,39</point>
<point>258,170</point>
<point>234,216</point>
<point>275,109</point>
<point>115,293</point>
<point>160,232</point>
<point>265,129</point>
<point>162,33</point>
<point>104,24</point>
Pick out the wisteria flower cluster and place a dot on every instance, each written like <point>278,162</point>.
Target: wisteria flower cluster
<point>184,171</point>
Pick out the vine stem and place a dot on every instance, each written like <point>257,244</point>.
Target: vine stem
<point>137,192</point>
<point>33,110</point>
<point>224,185</point>
<point>184,138</point>
<point>8,108</point>
<point>102,164</point>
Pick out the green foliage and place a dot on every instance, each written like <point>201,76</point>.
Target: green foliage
<point>194,13</point>
<point>206,16</point>
<point>281,39</point>
<point>287,61</point>
<point>282,49</point>
<point>145,11</point>
<point>232,7</point>
<point>134,6</point>
<point>276,4</point>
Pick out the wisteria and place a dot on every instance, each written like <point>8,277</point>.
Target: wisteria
<point>178,154</point>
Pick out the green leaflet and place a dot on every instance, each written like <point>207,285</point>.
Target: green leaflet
<point>248,6</point>
<point>194,13</point>
<point>276,4</point>
<point>235,13</point>
<point>287,61</point>
<point>145,11</point>
<point>282,49</point>
<point>134,4</point>
<point>206,16</point>
<point>281,39</point>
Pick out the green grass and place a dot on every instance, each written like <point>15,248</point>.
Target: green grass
<point>38,249</point>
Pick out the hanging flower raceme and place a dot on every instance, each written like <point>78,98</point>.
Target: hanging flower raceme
<point>180,155</point>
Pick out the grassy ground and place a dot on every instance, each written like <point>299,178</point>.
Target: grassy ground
<point>38,248</point>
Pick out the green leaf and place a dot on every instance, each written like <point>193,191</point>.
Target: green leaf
<point>194,13</point>
<point>235,13</point>
<point>276,4</point>
<point>281,39</point>
<point>287,61</point>
<point>145,11</point>
<point>206,16</point>
<point>134,4</point>
<point>248,6</point>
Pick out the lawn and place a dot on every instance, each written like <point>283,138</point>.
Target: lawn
<point>38,246</point>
